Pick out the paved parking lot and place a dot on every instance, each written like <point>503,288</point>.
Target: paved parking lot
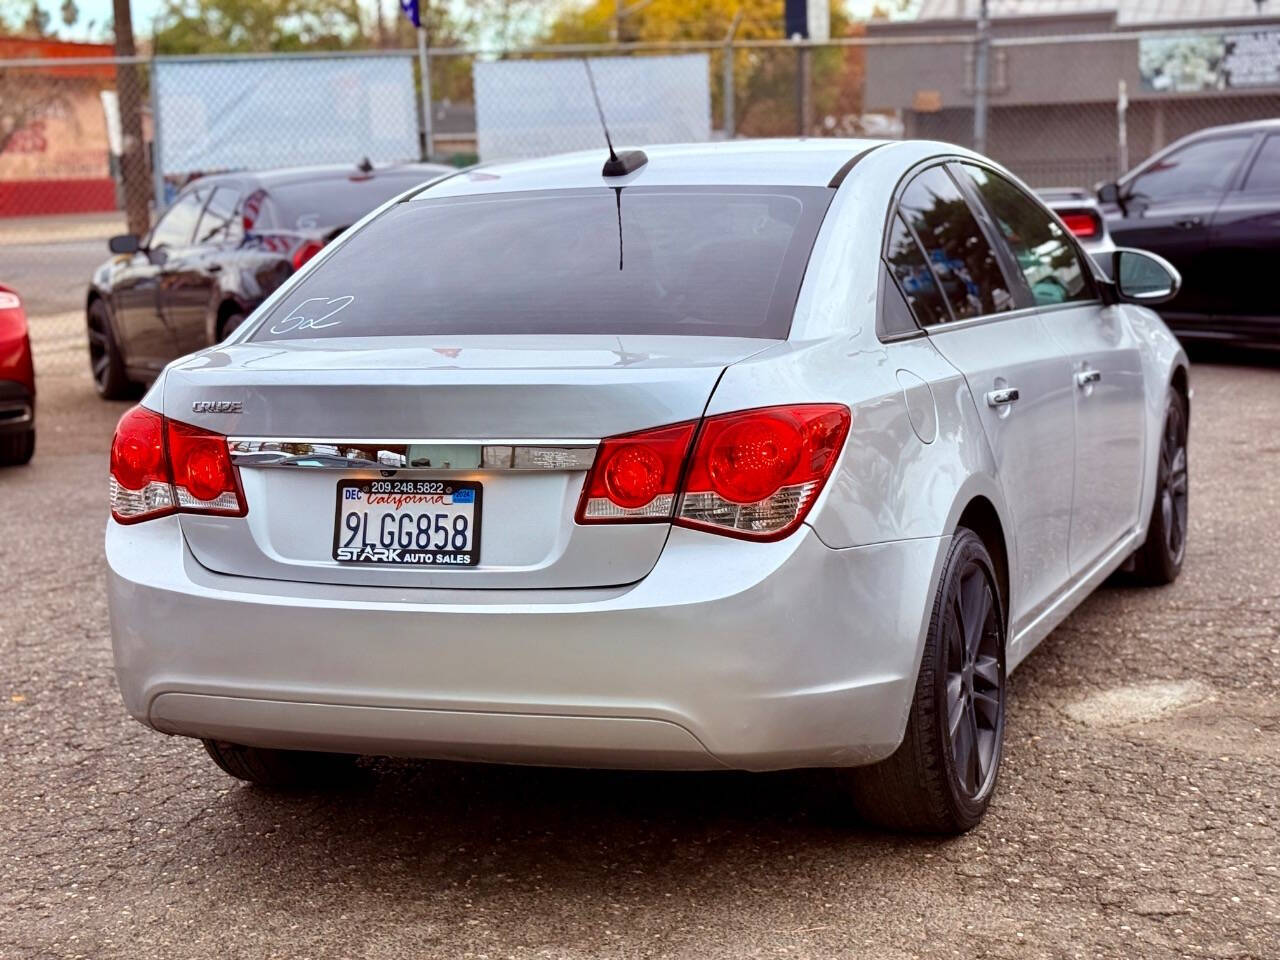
<point>1138,813</point>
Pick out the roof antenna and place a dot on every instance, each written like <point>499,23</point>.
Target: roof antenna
<point>618,164</point>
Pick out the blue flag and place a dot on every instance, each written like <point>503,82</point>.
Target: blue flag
<point>410,7</point>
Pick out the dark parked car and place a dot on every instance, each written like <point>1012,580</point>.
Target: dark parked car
<point>17,383</point>
<point>1210,205</point>
<point>226,243</point>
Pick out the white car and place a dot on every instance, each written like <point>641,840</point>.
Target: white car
<point>744,455</point>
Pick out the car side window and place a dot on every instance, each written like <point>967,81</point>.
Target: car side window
<point>955,245</point>
<point>1044,253</point>
<point>219,223</point>
<point>178,224</point>
<point>1204,167</point>
<point>1264,176</point>
<point>914,279</point>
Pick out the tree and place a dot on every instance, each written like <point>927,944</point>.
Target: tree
<point>70,13</point>
<point>134,167</point>
<point>37,22</point>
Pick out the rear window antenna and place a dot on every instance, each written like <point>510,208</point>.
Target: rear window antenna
<point>618,164</point>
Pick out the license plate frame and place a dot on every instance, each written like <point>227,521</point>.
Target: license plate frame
<point>376,553</point>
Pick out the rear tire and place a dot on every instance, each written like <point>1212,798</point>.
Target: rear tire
<point>17,448</point>
<point>942,776</point>
<point>106,362</point>
<point>278,768</point>
<point>1159,560</point>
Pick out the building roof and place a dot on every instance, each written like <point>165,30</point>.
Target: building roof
<point>1128,12</point>
<point>779,162</point>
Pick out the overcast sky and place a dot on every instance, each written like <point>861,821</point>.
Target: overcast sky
<point>145,11</point>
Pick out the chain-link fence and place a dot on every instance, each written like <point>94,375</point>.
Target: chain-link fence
<point>94,147</point>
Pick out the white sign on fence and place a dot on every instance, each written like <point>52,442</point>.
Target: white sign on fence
<point>247,114</point>
<point>532,108</point>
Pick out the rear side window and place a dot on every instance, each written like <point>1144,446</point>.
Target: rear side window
<point>958,251</point>
<point>1197,169</point>
<point>1046,256</point>
<point>1264,175</point>
<point>640,260</point>
<point>914,278</point>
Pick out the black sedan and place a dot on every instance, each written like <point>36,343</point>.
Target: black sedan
<point>226,243</point>
<point>1210,205</point>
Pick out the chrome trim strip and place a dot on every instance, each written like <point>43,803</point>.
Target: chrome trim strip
<point>11,413</point>
<point>533,455</point>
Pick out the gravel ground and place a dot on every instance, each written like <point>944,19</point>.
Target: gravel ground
<point>1138,813</point>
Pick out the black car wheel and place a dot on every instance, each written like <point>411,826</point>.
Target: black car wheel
<point>105,360</point>
<point>1159,560</point>
<point>942,777</point>
<point>279,768</point>
<point>17,448</point>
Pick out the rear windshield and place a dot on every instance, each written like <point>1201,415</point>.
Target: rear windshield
<point>336,202</point>
<point>639,260</point>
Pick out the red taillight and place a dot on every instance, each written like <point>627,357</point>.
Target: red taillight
<point>160,466</point>
<point>305,252</point>
<point>635,477</point>
<point>752,474</point>
<point>1083,225</point>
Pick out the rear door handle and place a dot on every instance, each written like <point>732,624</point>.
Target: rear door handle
<point>1086,377</point>
<point>998,398</point>
<point>1187,223</point>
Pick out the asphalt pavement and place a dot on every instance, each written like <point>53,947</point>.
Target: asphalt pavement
<point>1137,815</point>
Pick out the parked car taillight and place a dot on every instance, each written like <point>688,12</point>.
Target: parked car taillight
<point>305,252</point>
<point>161,466</point>
<point>1084,224</point>
<point>753,474</point>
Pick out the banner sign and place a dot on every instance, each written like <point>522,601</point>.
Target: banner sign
<point>1217,61</point>
<point>532,108</point>
<point>239,114</point>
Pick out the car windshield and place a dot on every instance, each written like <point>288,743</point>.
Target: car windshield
<point>638,260</point>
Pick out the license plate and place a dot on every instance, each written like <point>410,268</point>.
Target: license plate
<point>418,523</point>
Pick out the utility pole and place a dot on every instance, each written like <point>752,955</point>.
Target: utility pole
<point>133,161</point>
<point>981,70</point>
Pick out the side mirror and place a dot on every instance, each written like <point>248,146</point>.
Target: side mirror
<point>125,243</point>
<point>1109,193</point>
<point>1142,277</point>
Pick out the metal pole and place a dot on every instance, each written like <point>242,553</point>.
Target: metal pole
<point>424,65</point>
<point>806,98</point>
<point>981,66</point>
<point>1122,131</point>
<point>729,92</point>
<point>157,161</point>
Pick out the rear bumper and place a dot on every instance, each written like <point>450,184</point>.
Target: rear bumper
<point>17,407</point>
<point>757,656</point>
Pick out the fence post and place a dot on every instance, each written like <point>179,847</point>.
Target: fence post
<point>157,163</point>
<point>981,67</point>
<point>729,92</point>
<point>424,65</point>
<point>1122,129</point>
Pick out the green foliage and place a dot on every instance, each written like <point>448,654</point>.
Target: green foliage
<point>244,26</point>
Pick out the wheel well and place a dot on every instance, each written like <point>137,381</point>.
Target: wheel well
<point>980,516</point>
<point>1179,383</point>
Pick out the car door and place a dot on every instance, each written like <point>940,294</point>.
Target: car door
<point>1106,367</point>
<point>1245,241</point>
<point>1169,205</point>
<point>149,342</point>
<point>981,320</point>
<point>191,276</point>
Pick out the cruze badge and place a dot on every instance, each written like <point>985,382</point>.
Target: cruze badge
<point>217,406</point>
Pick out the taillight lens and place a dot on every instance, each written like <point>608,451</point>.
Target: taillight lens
<point>636,477</point>
<point>161,466</point>
<point>1083,224</point>
<point>752,474</point>
<point>755,474</point>
<point>305,252</point>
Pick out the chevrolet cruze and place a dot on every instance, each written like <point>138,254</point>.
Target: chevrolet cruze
<point>749,455</point>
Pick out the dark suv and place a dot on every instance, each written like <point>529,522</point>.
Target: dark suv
<point>1210,205</point>
<point>224,244</point>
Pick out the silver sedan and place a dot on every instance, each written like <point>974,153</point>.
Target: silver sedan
<point>747,455</point>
